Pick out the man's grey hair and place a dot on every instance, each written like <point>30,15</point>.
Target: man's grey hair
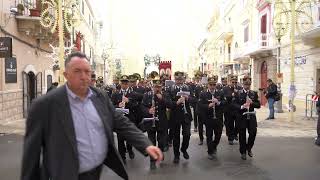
<point>74,54</point>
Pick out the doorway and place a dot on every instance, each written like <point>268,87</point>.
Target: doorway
<point>32,88</point>
<point>263,81</point>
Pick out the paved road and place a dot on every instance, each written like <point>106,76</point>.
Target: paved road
<point>276,158</point>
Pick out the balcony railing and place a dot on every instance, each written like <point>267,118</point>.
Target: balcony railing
<point>28,7</point>
<point>264,43</point>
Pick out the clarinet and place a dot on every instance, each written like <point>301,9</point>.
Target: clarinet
<point>153,105</point>
<point>184,104</point>
<point>214,108</point>
<point>248,114</point>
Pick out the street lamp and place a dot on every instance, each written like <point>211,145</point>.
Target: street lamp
<point>59,15</point>
<point>296,12</point>
<point>104,57</point>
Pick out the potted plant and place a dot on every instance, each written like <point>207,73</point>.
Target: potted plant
<point>36,11</point>
<point>20,9</point>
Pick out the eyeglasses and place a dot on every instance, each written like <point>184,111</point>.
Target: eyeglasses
<point>212,84</point>
<point>234,82</point>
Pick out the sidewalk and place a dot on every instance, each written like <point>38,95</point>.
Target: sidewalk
<point>12,127</point>
<point>282,126</point>
<point>279,127</point>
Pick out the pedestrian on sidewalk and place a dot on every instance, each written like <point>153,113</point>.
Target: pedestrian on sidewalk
<point>54,85</point>
<point>270,94</point>
<point>69,132</point>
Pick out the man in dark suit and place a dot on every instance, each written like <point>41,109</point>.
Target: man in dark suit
<point>245,102</point>
<point>211,106</point>
<point>128,99</point>
<point>69,131</point>
<point>180,116</point>
<point>154,106</point>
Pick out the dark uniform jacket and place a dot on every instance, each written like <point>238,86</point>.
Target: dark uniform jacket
<point>160,105</point>
<point>229,92</point>
<point>239,100</point>
<point>177,111</point>
<point>205,100</point>
<point>132,105</point>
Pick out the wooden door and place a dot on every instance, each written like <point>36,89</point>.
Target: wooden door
<point>263,81</point>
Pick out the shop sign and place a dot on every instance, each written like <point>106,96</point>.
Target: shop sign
<point>11,70</point>
<point>5,47</point>
<point>299,60</point>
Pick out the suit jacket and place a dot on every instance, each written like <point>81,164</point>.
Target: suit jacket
<point>207,113</point>
<point>177,113</point>
<point>239,100</point>
<point>160,106</point>
<point>132,105</point>
<point>50,134</point>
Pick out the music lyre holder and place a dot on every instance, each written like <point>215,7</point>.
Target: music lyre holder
<point>123,110</point>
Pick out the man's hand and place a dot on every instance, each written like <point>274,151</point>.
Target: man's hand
<point>152,110</point>
<point>159,96</point>
<point>122,104</point>
<point>155,153</point>
<point>180,100</point>
<point>125,99</point>
<point>211,105</point>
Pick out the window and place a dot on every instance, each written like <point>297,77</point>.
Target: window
<point>246,33</point>
<point>318,14</point>
<point>229,52</point>
<point>82,7</point>
<point>49,81</point>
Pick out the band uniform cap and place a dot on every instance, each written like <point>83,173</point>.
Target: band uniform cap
<point>138,76</point>
<point>215,77</point>
<point>156,81</point>
<point>179,75</point>
<point>124,78</point>
<point>234,77</point>
<point>132,78</point>
<point>223,78</point>
<point>100,78</point>
<point>246,78</point>
<point>93,76</point>
<point>197,76</point>
<point>212,80</point>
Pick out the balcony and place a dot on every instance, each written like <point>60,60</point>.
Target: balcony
<point>28,20</point>
<point>226,32</point>
<point>312,36</point>
<point>263,47</point>
<point>239,56</point>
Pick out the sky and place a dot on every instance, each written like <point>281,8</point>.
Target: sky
<point>171,28</point>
